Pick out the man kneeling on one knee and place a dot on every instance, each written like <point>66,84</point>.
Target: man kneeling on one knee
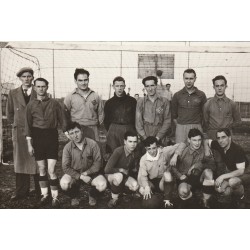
<point>154,172</point>
<point>121,168</point>
<point>191,171</point>
<point>81,163</point>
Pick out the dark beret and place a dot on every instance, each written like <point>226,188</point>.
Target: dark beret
<point>25,69</point>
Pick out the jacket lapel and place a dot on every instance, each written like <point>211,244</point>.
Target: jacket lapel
<point>20,96</point>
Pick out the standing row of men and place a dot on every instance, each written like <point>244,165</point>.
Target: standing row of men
<point>150,116</point>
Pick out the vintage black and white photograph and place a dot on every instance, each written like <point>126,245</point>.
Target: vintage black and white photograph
<point>125,125</point>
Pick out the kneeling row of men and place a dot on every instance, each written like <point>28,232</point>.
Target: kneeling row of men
<point>189,165</point>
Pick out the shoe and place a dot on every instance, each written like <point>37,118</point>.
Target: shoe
<point>75,202</point>
<point>55,203</point>
<point>168,204</point>
<point>113,203</point>
<point>92,201</point>
<point>16,197</point>
<point>239,203</point>
<point>44,200</point>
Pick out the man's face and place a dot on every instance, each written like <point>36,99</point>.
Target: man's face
<point>75,135</point>
<point>168,87</point>
<point>152,149</point>
<point>223,139</point>
<point>150,87</point>
<point>119,87</point>
<point>195,142</point>
<point>41,88</point>
<point>220,87</point>
<point>131,143</point>
<point>189,80</point>
<point>82,82</point>
<point>26,78</point>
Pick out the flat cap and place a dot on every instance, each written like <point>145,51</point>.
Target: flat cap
<point>25,69</point>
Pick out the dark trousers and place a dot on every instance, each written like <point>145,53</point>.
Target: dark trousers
<point>23,184</point>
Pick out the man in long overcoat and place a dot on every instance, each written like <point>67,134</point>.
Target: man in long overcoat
<point>24,164</point>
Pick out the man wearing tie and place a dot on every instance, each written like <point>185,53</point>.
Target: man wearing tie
<point>24,164</point>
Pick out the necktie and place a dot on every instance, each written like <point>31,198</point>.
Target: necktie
<point>25,92</point>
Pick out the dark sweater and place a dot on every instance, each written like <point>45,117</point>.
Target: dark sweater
<point>120,110</point>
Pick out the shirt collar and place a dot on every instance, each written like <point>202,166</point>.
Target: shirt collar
<point>28,90</point>
<point>84,143</point>
<point>192,151</point>
<point>184,90</point>
<point>156,158</point>
<point>127,153</point>
<point>157,97</point>
<point>224,98</point>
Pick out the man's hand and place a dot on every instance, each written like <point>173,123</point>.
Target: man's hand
<point>219,181</point>
<point>183,177</point>
<point>124,171</point>
<point>173,160</point>
<point>147,193</point>
<point>67,135</point>
<point>190,171</point>
<point>30,150</point>
<point>85,178</point>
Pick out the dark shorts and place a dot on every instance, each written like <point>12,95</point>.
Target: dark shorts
<point>192,180</point>
<point>156,183</point>
<point>45,143</point>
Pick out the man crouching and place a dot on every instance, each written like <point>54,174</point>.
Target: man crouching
<point>81,163</point>
<point>155,172</point>
<point>121,168</point>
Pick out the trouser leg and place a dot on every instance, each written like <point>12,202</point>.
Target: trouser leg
<point>22,184</point>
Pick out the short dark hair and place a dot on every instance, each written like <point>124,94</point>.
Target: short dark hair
<point>130,133</point>
<point>149,141</point>
<point>189,71</point>
<point>194,132</point>
<point>225,130</point>
<point>80,71</point>
<point>148,78</point>
<point>137,94</point>
<point>118,78</point>
<point>168,84</point>
<point>73,125</point>
<point>220,77</point>
<point>42,80</point>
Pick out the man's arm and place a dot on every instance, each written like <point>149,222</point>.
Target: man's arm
<point>10,109</point>
<point>174,108</point>
<point>28,120</point>
<point>236,115</point>
<point>107,113</point>
<point>97,160</point>
<point>166,121</point>
<point>139,124</point>
<point>205,116</point>
<point>143,174</point>
<point>240,171</point>
<point>100,110</point>
<point>112,163</point>
<point>66,164</point>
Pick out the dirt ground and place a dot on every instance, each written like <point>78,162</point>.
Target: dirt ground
<point>7,187</point>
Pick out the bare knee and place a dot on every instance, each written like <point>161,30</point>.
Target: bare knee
<point>52,174</point>
<point>101,185</point>
<point>133,186</point>
<point>167,177</point>
<point>117,179</point>
<point>184,191</point>
<point>234,182</point>
<point>208,174</point>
